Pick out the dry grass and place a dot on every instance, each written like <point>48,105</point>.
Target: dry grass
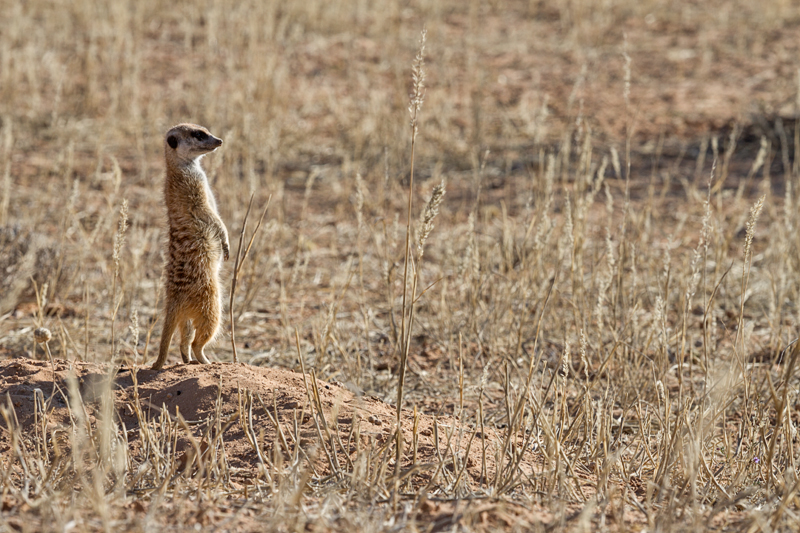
<point>594,299</point>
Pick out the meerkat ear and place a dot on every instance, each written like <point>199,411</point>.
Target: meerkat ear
<point>172,141</point>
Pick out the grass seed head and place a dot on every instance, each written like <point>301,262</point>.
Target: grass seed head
<point>42,335</point>
<point>755,211</point>
<point>627,70</point>
<point>428,215</point>
<point>359,200</point>
<point>418,78</point>
<point>584,358</point>
<point>119,237</point>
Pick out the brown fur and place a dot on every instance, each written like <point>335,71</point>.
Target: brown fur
<point>198,241</point>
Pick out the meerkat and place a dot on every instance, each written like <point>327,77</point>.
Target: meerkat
<point>198,241</point>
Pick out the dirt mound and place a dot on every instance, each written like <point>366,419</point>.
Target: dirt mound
<point>269,406</point>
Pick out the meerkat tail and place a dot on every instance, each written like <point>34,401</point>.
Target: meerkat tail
<point>170,324</point>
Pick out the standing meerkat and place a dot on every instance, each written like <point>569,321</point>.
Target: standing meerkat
<point>198,241</point>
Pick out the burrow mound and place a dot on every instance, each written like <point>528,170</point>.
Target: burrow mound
<point>202,392</point>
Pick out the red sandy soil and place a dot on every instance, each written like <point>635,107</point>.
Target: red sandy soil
<point>193,391</point>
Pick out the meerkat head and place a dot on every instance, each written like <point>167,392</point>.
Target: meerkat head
<point>188,142</point>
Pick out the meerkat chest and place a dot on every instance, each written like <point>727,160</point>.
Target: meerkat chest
<point>205,195</point>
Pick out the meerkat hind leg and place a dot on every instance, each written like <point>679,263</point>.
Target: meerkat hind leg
<point>204,331</point>
<point>187,336</point>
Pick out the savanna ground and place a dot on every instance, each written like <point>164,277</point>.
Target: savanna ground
<point>600,313</point>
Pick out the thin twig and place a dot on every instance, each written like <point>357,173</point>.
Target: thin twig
<point>240,257</point>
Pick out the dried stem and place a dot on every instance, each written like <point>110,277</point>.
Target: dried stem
<point>418,75</point>
<point>240,257</point>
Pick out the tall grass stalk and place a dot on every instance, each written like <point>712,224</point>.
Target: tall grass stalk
<point>119,241</point>
<point>747,264</point>
<point>414,108</point>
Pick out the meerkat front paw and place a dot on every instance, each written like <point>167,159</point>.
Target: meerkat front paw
<point>222,235</point>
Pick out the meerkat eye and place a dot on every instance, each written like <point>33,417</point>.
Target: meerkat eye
<point>172,141</point>
<point>200,135</point>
